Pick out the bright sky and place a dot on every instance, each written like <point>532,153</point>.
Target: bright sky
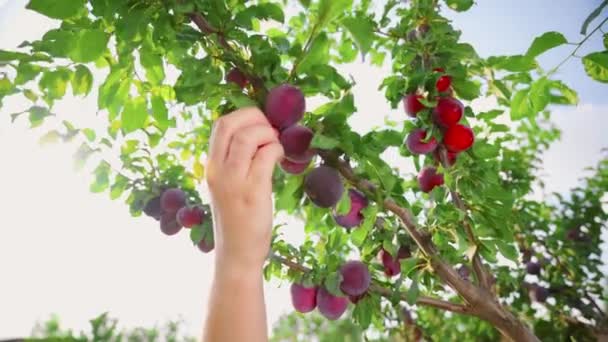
<point>64,250</point>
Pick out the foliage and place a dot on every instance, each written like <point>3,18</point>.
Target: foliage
<point>157,69</point>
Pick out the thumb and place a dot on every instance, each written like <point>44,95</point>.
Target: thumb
<point>264,161</point>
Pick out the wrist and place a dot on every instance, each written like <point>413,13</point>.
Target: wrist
<point>235,269</point>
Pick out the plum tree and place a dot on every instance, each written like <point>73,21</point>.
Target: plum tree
<point>189,217</point>
<point>323,186</point>
<point>304,299</point>
<point>294,168</point>
<point>412,104</point>
<point>428,179</point>
<point>416,142</point>
<point>172,200</point>
<point>296,143</point>
<point>354,217</point>
<point>159,89</point>
<point>285,106</point>
<point>448,111</point>
<point>329,305</point>
<point>458,138</point>
<point>237,77</point>
<point>169,225</point>
<point>355,278</point>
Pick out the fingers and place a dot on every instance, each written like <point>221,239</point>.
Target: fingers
<point>244,145</point>
<point>264,161</point>
<point>225,127</point>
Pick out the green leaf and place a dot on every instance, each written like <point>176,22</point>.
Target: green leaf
<point>332,283</point>
<point>343,206</point>
<point>331,9</point>
<point>54,83</point>
<point>102,178</point>
<point>118,188</point>
<point>506,249</point>
<point>160,112</point>
<point>363,312</point>
<point>82,82</point>
<point>596,66</point>
<point>520,107</point>
<point>57,9</point>
<point>196,234</point>
<point>413,292</point>
<point>362,30</point>
<point>539,94</point>
<point>606,40</point>
<point>467,89</point>
<point>459,5</point>
<point>317,54</point>
<point>359,234</point>
<point>89,133</point>
<point>153,64</point>
<point>37,115</point>
<point>134,115</point>
<point>545,42</point>
<point>324,142</point>
<point>262,12</point>
<point>408,265</point>
<point>592,16</point>
<point>567,94</point>
<point>89,45</point>
<point>517,63</point>
<point>9,56</point>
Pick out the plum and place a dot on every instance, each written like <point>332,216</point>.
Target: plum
<point>448,111</point>
<point>538,293</point>
<point>172,200</point>
<point>206,245</point>
<point>356,299</point>
<point>444,83</point>
<point>323,186</point>
<point>354,217</point>
<point>428,179</point>
<point>533,267</point>
<point>189,217</point>
<point>458,138</point>
<point>412,104</point>
<point>355,278</point>
<point>296,143</point>
<point>330,306</point>
<point>153,209</point>
<point>391,264</point>
<point>285,106</point>
<point>464,272</point>
<point>237,77</point>
<point>169,225</point>
<point>293,168</point>
<point>415,142</point>
<point>304,299</point>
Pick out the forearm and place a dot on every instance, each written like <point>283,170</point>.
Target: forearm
<point>236,306</point>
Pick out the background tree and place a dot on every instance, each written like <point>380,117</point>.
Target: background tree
<point>462,243</point>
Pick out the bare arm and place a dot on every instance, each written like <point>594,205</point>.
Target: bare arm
<point>244,150</point>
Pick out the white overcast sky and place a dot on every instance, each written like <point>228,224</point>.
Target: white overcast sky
<point>64,250</point>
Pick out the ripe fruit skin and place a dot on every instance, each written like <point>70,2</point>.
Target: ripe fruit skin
<point>330,306</point>
<point>533,268</point>
<point>296,143</point>
<point>443,83</point>
<point>293,168</point>
<point>451,157</point>
<point>356,299</point>
<point>189,217</point>
<point>285,106</point>
<point>458,138</point>
<point>169,225</point>
<point>206,245</point>
<point>464,272</point>
<point>153,209</point>
<point>411,104</point>
<point>392,267</point>
<point>236,76</point>
<point>539,293</point>
<point>428,179</point>
<point>354,217</point>
<point>304,299</point>
<point>415,142</point>
<point>448,111</point>
<point>355,278</point>
<point>172,200</point>
<point>323,186</point>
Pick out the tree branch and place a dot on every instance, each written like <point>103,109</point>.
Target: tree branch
<point>480,271</point>
<point>375,288</point>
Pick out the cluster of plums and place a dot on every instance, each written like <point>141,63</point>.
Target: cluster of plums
<point>446,116</point>
<point>172,210</point>
<point>356,280</point>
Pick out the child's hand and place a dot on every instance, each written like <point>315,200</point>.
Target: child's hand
<point>243,153</point>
